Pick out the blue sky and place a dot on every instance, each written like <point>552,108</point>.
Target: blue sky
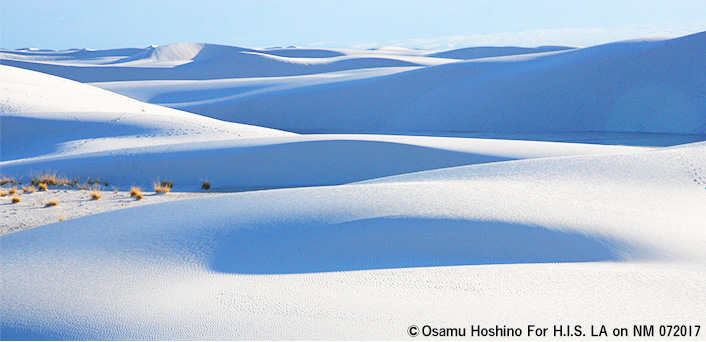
<point>437,25</point>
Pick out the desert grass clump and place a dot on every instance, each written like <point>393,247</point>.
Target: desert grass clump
<point>49,179</point>
<point>42,187</point>
<point>136,192</point>
<point>163,186</point>
<point>96,193</point>
<point>28,189</point>
<point>94,181</point>
<point>61,217</point>
<point>4,193</point>
<point>16,199</point>
<point>4,180</point>
<point>12,191</point>
<point>115,189</point>
<point>52,203</point>
<point>205,185</point>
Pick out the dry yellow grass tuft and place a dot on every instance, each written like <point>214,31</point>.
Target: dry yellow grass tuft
<point>16,199</point>
<point>136,192</point>
<point>42,187</point>
<point>61,217</point>
<point>4,193</point>
<point>50,179</point>
<point>4,180</point>
<point>28,189</point>
<point>96,194</point>
<point>52,203</point>
<point>12,191</point>
<point>163,186</point>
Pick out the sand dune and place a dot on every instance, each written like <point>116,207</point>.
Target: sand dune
<point>622,87</point>
<point>197,61</point>
<point>70,115</point>
<point>373,233</point>
<point>495,51</point>
<point>631,86</point>
<point>95,133</point>
<point>218,252</point>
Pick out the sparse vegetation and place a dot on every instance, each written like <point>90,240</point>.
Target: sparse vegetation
<point>136,192</point>
<point>28,189</point>
<point>16,199</point>
<point>93,181</point>
<point>50,179</point>
<point>52,203</point>
<point>163,186</point>
<point>96,193</point>
<point>205,185</point>
<point>42,187</point>
<point>4,180</point>
<point>115,189</point>
<point>4,193</point>
<point>12,191</point>
<point>61,217</point>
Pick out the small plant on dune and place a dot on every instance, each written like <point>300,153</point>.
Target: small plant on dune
<point>12,191</point>
<point>4,193</point>
<point>163,186</point>
<point>136,192</point>
<point>96,193</point>
<point>52,203</point>
<point>42,187</point>
<point>16,199</point>
<point>4,180</point>
<point>61,217</point>
<point>28,189</point>
<point>115,189</point>
<point>205,185</point>
<point>49,179</point>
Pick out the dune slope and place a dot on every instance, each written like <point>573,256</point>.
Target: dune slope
<point>155,271</point>
<point>636,86</point>
<point>631,86</point>
<point>70,116</point>
<point>89,132</point>
<point>198,61</point>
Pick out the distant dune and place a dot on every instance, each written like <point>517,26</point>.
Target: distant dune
<point>631,86</point>
<point>495,51</point>
<point>637,86</point>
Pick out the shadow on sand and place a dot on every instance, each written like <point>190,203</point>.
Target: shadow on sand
<point>384,243</point>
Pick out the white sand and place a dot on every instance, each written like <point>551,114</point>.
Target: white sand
<point>31,211</point>
<point>391,231</point>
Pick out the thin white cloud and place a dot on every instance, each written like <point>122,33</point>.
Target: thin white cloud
<point>530,38</point>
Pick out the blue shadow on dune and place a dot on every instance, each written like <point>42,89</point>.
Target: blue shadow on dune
<point>385,243</point>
